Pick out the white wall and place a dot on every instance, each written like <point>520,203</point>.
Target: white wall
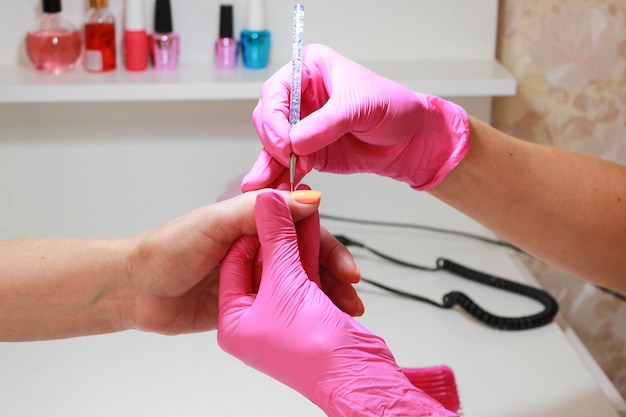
<point>108,169</point>
<point>359,29</point>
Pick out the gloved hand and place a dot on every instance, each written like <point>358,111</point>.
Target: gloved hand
<point>291,331</point>
<point>353,120</point>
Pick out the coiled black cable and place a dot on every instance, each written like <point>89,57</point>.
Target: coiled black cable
<point>457,298</point>
<point>544,317</point>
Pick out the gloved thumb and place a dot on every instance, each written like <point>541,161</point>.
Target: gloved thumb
<point>320,128</point>
<point>279,241</point>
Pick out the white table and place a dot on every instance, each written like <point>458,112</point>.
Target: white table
<point>532,373</point>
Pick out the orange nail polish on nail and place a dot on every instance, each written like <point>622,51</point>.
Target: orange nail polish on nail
<point>306,196</point>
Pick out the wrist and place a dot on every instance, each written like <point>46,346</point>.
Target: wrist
<point>126,288</point>
<point>122,293</point>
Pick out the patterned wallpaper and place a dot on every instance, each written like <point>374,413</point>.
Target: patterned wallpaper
<point>569,58</point>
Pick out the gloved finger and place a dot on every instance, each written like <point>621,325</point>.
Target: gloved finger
<point>279,244</point>
<point>236,273</point>
<point>273,130</point>
<point>271,114</point>
<point>267,172</point>
<point>321,128</point>
<point>330,120</point>
<point>264,172</point>
<point>308,232</point>
<point>235,291</point>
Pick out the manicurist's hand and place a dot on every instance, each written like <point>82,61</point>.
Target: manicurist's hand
<point>290,330</point>
<point>353,120</point>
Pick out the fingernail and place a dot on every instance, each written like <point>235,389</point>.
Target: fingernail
<point>306,196</point>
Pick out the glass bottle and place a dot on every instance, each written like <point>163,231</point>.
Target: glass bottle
<point>255,38</point>
<point>164,42</point>
<point>100,54</point>
<point>54,44</point>
<point>226,45</point>
<point>135,49</point>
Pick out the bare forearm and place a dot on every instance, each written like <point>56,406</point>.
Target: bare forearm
<point>56,288</point>
<point>566,208</point>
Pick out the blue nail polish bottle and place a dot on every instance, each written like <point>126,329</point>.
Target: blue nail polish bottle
<point>255,39</point>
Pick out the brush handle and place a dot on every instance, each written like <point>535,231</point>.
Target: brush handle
<point>438,382</point>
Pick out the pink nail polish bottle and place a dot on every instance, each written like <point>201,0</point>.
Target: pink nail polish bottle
<point>164,42</point>
<point>226,45</point>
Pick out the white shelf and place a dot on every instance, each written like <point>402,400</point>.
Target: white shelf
<point>451,78</point>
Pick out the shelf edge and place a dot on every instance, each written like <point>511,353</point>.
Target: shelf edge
<point>446,78</point>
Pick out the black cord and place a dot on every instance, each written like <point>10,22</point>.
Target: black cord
<point>484,239</point>
<point>351,242</point>
<point>422,227</point>
<point>457,298</point>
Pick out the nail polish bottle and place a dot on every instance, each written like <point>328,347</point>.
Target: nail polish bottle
<point>54,44</point>
<point>135,37</point>
<point>164,42</point>
<point>100,53</point>
<point>255,39</point>
<point>226,45</point>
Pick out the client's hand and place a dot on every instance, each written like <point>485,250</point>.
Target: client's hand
<point>291,330</point>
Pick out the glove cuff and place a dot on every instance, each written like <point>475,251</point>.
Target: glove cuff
<point>378,388</point>
<point>448,143</point>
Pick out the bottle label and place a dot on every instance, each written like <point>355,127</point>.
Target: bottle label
<point>93,60</point>
<point>100,47</point>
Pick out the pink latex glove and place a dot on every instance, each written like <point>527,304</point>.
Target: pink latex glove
<point>291,331</point>
<point>353,120</point>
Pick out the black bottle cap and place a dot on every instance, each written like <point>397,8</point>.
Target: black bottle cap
<point>162,17</point>
<point>51,6</point>
<point>226,21</point>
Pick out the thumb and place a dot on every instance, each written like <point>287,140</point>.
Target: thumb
<point>308,230</point>
<point>279,241</point>
<point>320,128</point>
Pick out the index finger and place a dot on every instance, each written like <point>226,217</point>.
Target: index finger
<point>271,115</point>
